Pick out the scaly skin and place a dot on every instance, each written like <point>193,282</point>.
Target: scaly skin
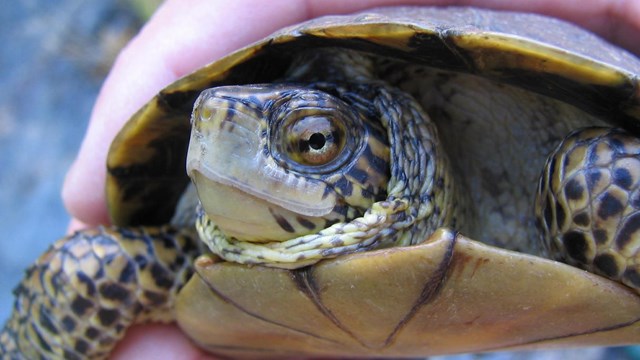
<point>588,203</point>
<point>80,296</point>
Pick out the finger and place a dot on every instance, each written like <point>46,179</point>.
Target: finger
<point>184,35</point>
<point>158,342</point>
<point>75,225</point>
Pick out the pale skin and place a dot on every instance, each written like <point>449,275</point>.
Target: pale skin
<point>183,35</point>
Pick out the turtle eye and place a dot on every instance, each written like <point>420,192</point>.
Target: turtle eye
<point>313,132</point>
<point>315,140</point>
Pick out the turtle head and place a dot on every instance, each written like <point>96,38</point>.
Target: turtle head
<point>274,162</point>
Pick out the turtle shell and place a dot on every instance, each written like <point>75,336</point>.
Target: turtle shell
<point>448,294</point>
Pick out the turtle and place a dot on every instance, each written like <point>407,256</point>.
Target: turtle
<point>405,181</point>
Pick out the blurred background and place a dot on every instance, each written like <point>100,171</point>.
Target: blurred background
<point>55,56</point>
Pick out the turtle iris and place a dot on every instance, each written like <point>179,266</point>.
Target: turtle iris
<point>315,140</point>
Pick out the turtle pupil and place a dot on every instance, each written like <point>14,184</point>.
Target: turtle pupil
<point>317,141</point>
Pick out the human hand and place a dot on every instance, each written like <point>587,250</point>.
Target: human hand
<point>207,30</point>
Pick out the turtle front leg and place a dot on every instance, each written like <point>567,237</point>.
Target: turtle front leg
<point>588,203</point>
<point>80,296</point>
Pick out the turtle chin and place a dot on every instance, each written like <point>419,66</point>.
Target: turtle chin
<point>249,218</point>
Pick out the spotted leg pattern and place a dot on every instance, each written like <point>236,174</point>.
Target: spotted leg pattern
<point>588,203</point>
<point>81,295</point>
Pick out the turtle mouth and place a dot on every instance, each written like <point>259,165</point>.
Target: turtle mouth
<point>246,217</point>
